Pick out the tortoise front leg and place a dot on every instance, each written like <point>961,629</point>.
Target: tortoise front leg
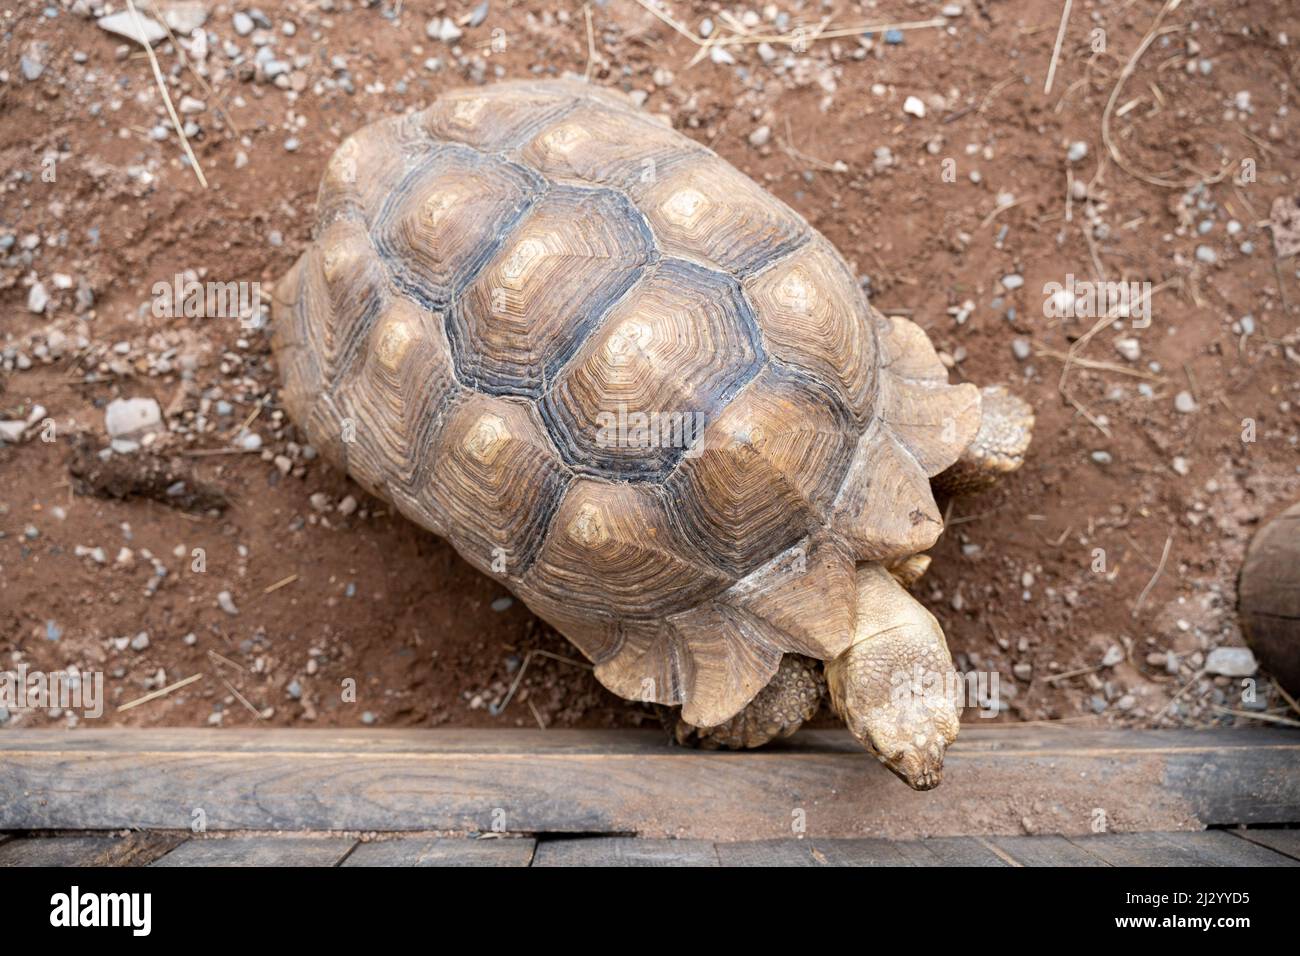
<point>1006,428</point>
<point>792,696</point>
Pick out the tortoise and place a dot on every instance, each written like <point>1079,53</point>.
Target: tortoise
<point>621,377</point>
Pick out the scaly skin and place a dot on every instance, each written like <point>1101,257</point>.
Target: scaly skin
<point>1006,427</point>
<point>890,685</point>
<point>792,696</point>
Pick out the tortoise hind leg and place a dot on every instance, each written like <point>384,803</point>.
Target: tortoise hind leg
<point>1006,427</point>
<point>791,697</point>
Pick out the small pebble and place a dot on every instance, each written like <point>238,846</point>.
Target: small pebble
<point>227,603</point>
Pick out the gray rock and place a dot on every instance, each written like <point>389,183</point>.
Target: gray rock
<point>1077,151</point>
<point>1231,662</point>
<point>227,603</point>
<point>243,23</point>
<point>31,67</point>
<point>1012,281</point>
<point>1184,403</point>
<point>1207,255</point>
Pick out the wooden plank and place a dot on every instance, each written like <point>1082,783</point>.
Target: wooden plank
<point>1219,848</point>
<point>443,851</point>
<point>279,850</point>
<point>625,851</point>
<point>1286,842</point>
<point>1137,849</point>
<point>136,849</point>
<point>634,782</point>
<point>1044,850</point>
<point>811,852</point>
<point>949,851</point>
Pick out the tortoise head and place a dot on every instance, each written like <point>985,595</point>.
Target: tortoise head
<point>893,685</point>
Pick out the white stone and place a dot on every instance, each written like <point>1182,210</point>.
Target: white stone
<point>132,416</point>
<point>1231,662</point>
<point>123,24</point>
<point>913,106</point>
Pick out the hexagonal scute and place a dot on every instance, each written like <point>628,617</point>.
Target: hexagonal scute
<point>665,362</point>
<point>710,212</point>
<point>445,220</point>
<point>495,118</point>
<point>395,398</point>
<point>343,288</point>
<point>611,550</point>
<point>555,276</point>
<point>814,316</point>
<point>614,146</point>
<point>295,352</point>
<point>497,479</point>
<point>766,472</point>
<point>366,166</point>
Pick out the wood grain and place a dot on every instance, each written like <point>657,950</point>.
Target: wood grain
<point>625,851</point>
<point>260,851</point>
<point>443,851</point>
<point>136,849</point>
<point>634,782</point>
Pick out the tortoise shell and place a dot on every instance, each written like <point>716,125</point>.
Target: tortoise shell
<point>620,376</point>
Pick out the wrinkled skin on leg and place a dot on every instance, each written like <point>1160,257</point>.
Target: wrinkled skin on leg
<point>891,686</point>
